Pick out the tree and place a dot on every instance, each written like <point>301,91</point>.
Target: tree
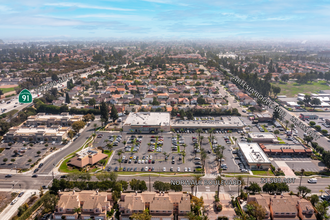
<point>318,128</point>
<point>114,113</point>
<point>67,98</point>
<point>141,216</point>
<point>5,160</point>
<point>284,77</point>
<point>254,187</point>
<point>314,199</point>
<point>312,123</point>
<point>161,186</point>
<point>324,132</point>
<point>322,208</point>
<point>77,125</point>
<point>219,179</point>
<point>138,185</point>
<point>256,210</point>
<point>92,102</point>
<point>315,102</point>
<point>303,190</point>
<point>286,124</point>
<point>308,139</point>
<point>307,99</point>
<point>276,90</point>
<point>176,188</point>
<point>71,134</point>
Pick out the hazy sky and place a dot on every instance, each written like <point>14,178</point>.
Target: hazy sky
<point>171,19</point>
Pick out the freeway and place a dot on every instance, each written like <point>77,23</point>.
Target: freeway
<point>4,107</point>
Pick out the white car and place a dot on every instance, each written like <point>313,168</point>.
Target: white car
<point>14,201</point>
<point>142,161</point>
<point>164,169</point>
<point>178,169</point>
<point>147,157</point>
<point>139,161</point>
<point>146,169</point>
<point>150,157</point>
<point>185,169</point>
<point>189,170</point>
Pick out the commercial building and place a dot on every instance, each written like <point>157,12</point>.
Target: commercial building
<point>309,116</point>
<point>284,206</point>
<point>93,205</point>
<point>87,156</point>
<point>162,206</point>
<point>264,117</point>
<point>224,123</point>
<point>293,150</point>
<point>262,137</point>
<point>147,122</point>
<point>55,133</point>
<point>254,156</point>
<point>64,119</point>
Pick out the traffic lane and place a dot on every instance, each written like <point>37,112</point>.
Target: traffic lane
<point>53,160</point>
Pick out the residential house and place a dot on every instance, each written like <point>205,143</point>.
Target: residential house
<point>162,206</point>
<point>93,205</point>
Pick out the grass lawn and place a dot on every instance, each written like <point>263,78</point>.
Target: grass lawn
<point>262,172</point>
<point>263,126</point>
<point>4,90</point>
<point>291,89</point>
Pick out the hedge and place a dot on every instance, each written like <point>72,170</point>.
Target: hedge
<point>33,208</point>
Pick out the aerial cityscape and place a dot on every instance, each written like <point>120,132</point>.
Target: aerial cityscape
<point>164,110</point>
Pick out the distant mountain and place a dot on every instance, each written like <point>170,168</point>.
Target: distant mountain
<point>1,41</point>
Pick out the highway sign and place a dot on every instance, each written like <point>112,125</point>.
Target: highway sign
<point>25,96</point>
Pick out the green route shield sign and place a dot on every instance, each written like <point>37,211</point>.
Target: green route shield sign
<point>25,96</point>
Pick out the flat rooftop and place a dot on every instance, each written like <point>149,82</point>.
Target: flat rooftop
<point>58,131</point>
<point>266,135</point>
<point>284,146</point>
<point>253,153</point>
<point>226,122</point>
<point>148,118</point>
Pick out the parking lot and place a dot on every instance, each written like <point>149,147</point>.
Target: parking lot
<point>299,163</point>
<point>147,145</point>
<point>20,156</point>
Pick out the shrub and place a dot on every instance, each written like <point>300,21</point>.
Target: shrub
<point>31,145</point>
<point>12,160</point>
<point>219,207</point>
<point>46,145</point>
<point>9,144</point>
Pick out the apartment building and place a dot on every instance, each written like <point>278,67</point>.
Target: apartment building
<point>64,119</point>
<point>87,156</point>
<point>162,206</point>
<point>93,205</point>
<point>284,206</point>
<point>55,133</point>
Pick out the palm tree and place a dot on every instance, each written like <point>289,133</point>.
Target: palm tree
<point>203,157</point>
<point>291,126</point>
<point>183,155</point>
<point>201,140</point>
<point>110,146</point>
<point>211,131</point>
<point>242,183</point>
<point>77,210</point>
<point>195,148</point>
<point>199,131</point>
<point>95,125</point>
<point>184,145</point>
<point>328,187</point>
<point>219,184</point>
<point>218,157</point>
<point>197,179</point>
<point>165,154</point>
<point>286,124</point>
<point>321,191</point>
<point>119,153</point>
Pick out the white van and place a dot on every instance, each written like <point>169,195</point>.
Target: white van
<point>313,180</point>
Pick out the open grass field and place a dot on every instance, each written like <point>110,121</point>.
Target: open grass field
<point>5,90</point>
<point>262,172</point>
<point>291,89</point>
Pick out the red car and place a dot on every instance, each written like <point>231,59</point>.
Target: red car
<point>149,169</point>
<point>152,136</point>
<point>149,161</point>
